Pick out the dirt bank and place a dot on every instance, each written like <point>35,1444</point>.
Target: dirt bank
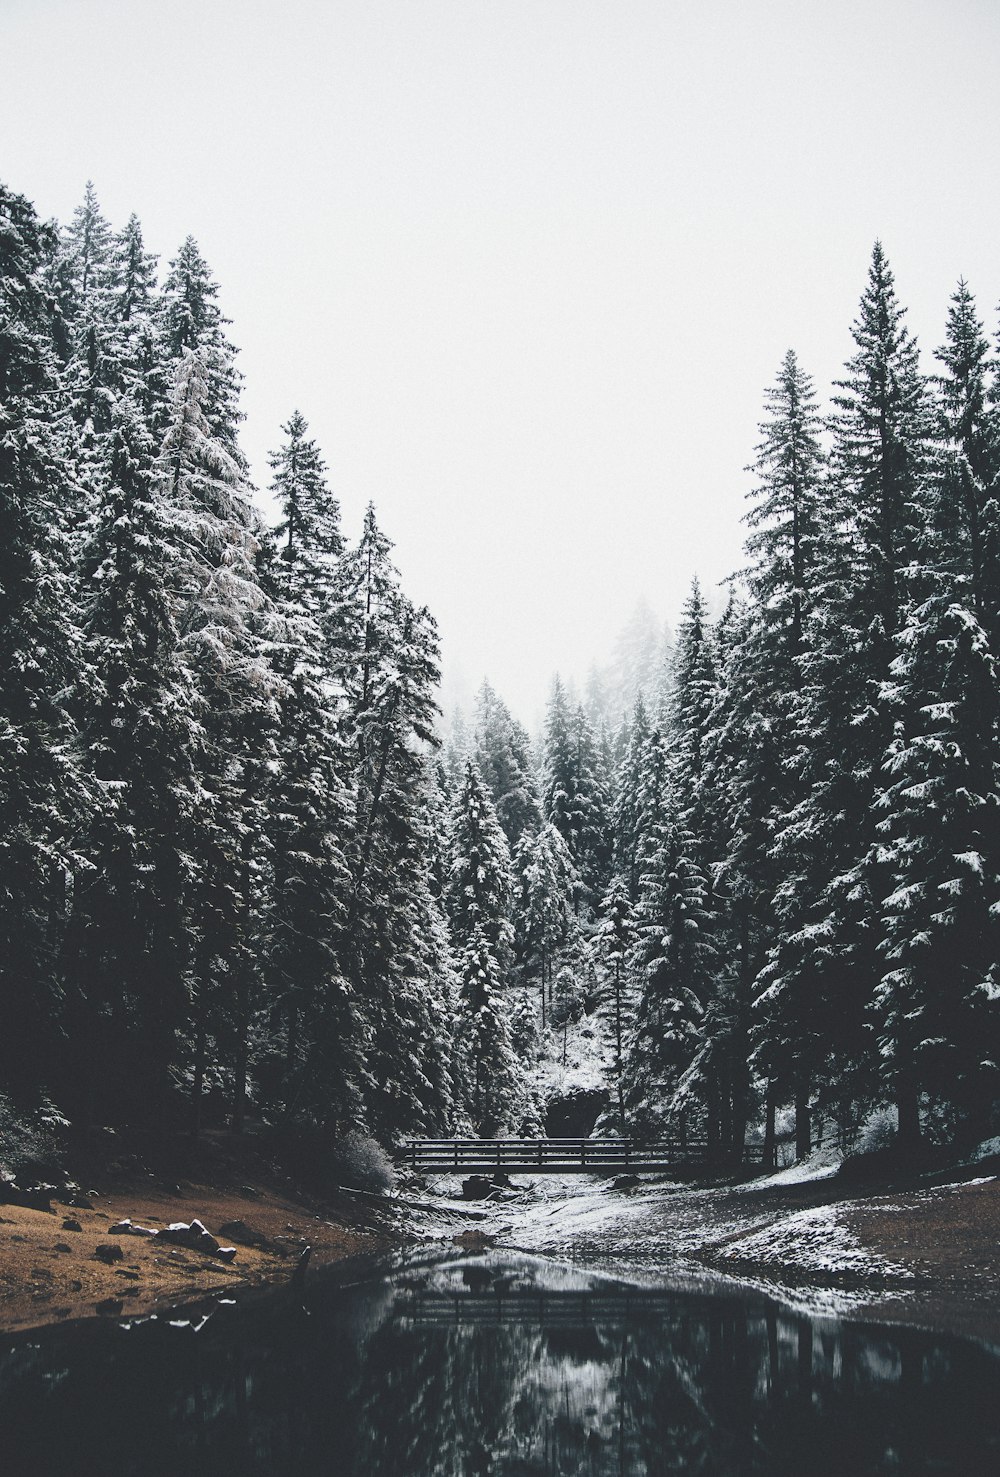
<point>928,1255</point>
<point>53,1267</point>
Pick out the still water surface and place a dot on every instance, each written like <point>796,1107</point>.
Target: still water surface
<point>502,1366</point>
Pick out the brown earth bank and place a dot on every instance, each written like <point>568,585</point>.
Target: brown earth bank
<point>67,1262</point>
<point>923,1255</point>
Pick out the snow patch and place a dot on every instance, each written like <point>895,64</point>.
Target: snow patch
<point>814,1241</point>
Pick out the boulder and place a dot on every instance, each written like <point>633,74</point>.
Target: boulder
<point>109,1252</point>
<point>477,1187</point>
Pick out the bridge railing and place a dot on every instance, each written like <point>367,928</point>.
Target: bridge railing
<point>566,1155</point>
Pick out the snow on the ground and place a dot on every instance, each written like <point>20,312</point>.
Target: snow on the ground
<point>587,1066</point>
<point>986,1149</point>
<point>822,1164</point>
<point>813,1241</point>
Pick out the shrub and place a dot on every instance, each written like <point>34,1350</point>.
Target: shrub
<point>360,1162</point>
<point>30,1149</point>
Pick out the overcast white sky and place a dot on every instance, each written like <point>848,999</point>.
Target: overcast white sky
<point>526,266</point>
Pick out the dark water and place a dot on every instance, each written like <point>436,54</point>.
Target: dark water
<point>497,1366</point>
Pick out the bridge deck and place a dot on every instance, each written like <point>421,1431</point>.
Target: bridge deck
<point>566,1156</point>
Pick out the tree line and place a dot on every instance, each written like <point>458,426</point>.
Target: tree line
<point>241,873</point>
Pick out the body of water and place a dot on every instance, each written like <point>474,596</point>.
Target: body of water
<point>495,1365</point>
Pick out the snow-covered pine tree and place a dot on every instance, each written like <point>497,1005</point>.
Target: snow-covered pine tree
<point>612,944</point>
<point>396,952</point>
<point>308,801</point>
<point>672,962</point>
<point>938,1006</point>
<point>40,786</point>
<point>480,885</point>
<point>544,918</point>
<point>627,818</point>
<point>763,683</point>
<point>573,796</point>
<point>692,701</point>
<point>479,895</point>
<point>227,627</point>
<point>489,1070</point>
<point>132,310</point>
<point>825,959</point>
<point>503,755</point>
<point>139,719</point>
<point>191,322</point>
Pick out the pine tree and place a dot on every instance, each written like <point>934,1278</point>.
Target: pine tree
<point>40,787</point>
<point>763,684</point>
<point>502,752</point>
<point>139,719</point>
<point>574,799</point>
<point>672,961</point>
<point>612,943</point>
<point>692,700</point>
<point>479,901</point>
<point>937,1006</point>
<point>547,882</point>
<point>396,950</point>
<point>191,323</point>
<point>226,626</point>
<point>480,885</point>
<point>821,978</point>
<point>628,820</point>
<point>308,799</point>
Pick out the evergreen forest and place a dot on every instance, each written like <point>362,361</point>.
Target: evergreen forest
<point>249,873</point>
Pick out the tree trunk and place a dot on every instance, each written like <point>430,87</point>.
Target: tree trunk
<point>908,1109</point>
<point>803,1128</point>
<point>712,1105</point>
<point>770,1109</point>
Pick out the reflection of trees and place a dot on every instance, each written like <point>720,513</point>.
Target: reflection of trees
<point>365,1388</point>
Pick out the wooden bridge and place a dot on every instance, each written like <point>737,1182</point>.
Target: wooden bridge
<point>542,1307</point>
<point>570,1156</point>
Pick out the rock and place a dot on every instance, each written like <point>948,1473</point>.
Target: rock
<point>36,1197</point>
<point>250,1192</point>
<point>625,1182</point>
<point>69,1224</point>
<point>197,1237</point>
<point>62,1246</point>
<point>109,1306</point>
<point>246,1236</point>
<point>108,1252</point>
<point>80,1202</point>
<point>128,1228</point>
<point>476,1187</point>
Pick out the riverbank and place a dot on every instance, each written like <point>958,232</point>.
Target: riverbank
<point>73,1260</point>
<point>927,1255</point>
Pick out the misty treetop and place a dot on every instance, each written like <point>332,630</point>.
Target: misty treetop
<point>755,865</point>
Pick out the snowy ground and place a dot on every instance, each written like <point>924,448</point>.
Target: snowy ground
<point>794,1233</point>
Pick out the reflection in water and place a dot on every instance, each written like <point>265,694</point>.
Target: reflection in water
<point>501,1367</point>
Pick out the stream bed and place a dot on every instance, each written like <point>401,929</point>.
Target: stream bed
<point>495,1366</point>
